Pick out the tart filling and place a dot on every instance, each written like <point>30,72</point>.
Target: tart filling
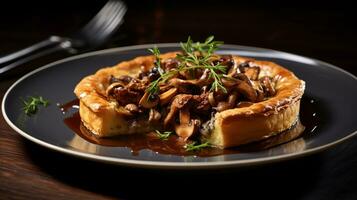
<point>223,100</point>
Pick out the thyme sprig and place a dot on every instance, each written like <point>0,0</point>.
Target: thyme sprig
<point>31,104</point>
<point>163,136</point>
<point>195,55</point>
<point>156,53</point>
<point>196,147</point>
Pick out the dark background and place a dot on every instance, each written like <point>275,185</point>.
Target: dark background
<point>322,30</point>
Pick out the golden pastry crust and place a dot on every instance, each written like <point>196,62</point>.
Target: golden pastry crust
<point>97,113</point>
<point>231,127</point>
<point>262,119</point>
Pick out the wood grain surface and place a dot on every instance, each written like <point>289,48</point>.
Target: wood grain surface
<point>328,33</point>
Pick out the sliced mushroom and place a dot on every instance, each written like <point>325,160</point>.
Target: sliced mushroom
<point>122,111</point>
<point>110,88</point>
<point>252,72</point>
<point>247,90</point>
<point>125,96</point>
<point>228,104</point>
<point>136,85</point>
<point>233,70</point>
<point>179,101</point>
<point>243,77</point>
<point>170,63</point>
<point>227,60</point>
<point>201,104</point>
<point>259,89</point>
<point>132,108</point>
<point>154,116</point>
<point>204,78</point>
<point>170,116</point>
<point>267,86</point>
<point>200,82</point>
<point>211,99</point>
<point>229,81</point>
<point>149,101</point>
<point>187,127</point>
<point>167,96</point>
<point>243,66</point>
<point>165,87</point>
<point>185,86</point>
<point>125,79</point>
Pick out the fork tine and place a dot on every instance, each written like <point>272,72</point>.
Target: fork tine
<point>112,23</point>
<point>99,17</point>
<point>104,15</point>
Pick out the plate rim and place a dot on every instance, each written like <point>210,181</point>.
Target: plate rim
<point>168,164</point>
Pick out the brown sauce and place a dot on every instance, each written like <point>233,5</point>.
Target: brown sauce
<point>175,146</point>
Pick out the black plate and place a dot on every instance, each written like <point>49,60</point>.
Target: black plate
<point>332,90</point>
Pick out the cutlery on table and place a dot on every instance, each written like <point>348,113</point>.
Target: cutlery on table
<point>97,31</point>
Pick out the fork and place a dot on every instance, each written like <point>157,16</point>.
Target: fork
<point>94,33</point>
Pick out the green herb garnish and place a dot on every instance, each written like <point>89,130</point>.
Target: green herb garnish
<point>156,53</point>
<point>32,103</point>
<point>196,147</point>
<point>163,136</point>
<point>195,55</point>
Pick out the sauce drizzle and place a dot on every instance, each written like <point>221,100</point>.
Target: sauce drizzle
<point>175,146</point>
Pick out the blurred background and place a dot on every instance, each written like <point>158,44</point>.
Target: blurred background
<point>326,31</point>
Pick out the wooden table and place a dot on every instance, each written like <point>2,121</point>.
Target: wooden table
<point>29,171</point>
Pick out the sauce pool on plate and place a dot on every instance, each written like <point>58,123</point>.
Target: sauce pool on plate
<point>176,146</point>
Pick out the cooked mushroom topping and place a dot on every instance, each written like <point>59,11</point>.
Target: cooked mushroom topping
<point>167,96</point>
<point>112,79</point>
<point>187,127</point>
<point>184,92</point>
<point>149,101</point>
<point>125,79</point>
<point>185,86</point>
<point>243,66</point>
<point>211,99</point>
<point>134,109</point>
<point>252,73</point>
<point>229,82</point>
<point>110,90</point>
<point>171,63</point>
<point>222,106</point>
<point>154,116</point>
<point>179,101</point>
<point>247,90</point>
<point>226,60</point>
<point>201,103</point>
<point>267,86</point>
<point>121,110</point>
<point>243,77</point>
<point>123,95</point>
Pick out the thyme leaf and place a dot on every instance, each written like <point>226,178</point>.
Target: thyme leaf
<point>156,53</point>
<point>196,147</point>
<point>163,136</point>
<point>31,104</point>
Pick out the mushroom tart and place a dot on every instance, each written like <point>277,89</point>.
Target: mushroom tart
<point>221,100</point>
